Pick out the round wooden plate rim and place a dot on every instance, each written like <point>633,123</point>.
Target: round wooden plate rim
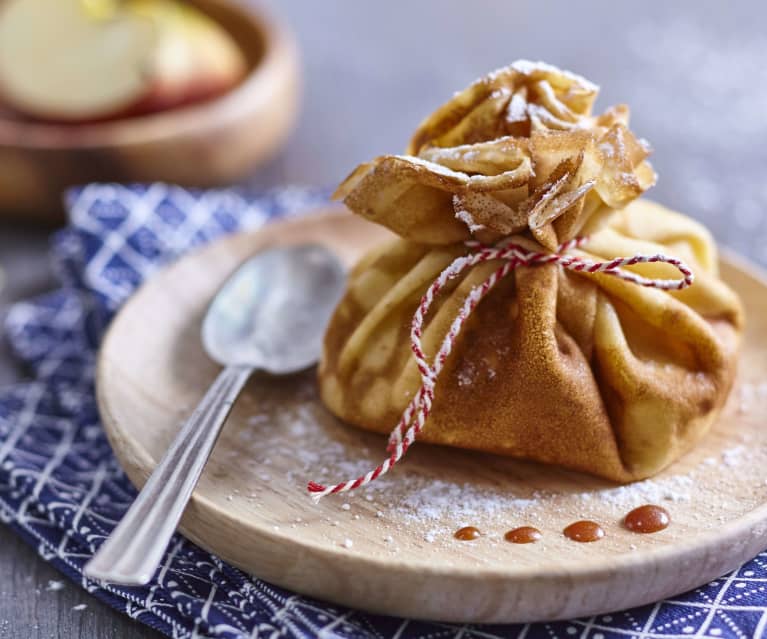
<point>706,540</point>
<point>279,46</point>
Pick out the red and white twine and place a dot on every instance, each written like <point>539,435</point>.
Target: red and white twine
<point>512,255</point>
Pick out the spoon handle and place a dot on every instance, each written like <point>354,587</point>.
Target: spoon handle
<point>133,551</point>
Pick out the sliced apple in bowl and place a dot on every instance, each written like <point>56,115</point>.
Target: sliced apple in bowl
<point>89,60</point>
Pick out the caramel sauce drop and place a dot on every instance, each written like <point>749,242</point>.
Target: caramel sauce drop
<point>647,519</point>
<point>523,535</point>
<point>468,533</point>
<point>584,531</point>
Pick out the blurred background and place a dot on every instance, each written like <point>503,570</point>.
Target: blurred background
<point>694,73</point>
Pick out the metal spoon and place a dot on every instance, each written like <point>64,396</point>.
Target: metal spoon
<point>270,315</point>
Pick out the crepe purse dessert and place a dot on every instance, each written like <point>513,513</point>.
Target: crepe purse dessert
<point>531,306</point>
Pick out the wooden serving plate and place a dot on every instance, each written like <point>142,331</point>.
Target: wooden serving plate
<point>390,548</point>
<point>212,143</point>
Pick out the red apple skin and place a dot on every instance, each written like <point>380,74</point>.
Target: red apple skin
<point>163,96</point>
<point>157,99</point>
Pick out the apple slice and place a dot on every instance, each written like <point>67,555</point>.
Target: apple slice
<point>195,58</point>
<point>84,60</point>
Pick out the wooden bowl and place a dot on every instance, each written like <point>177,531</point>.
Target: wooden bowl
<point>208,144</point>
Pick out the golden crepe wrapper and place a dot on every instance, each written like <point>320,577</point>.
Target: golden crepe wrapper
<point>588,372</point>
<point>518,149</point>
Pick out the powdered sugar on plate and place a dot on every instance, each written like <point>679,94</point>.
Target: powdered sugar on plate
<point>438,490</point>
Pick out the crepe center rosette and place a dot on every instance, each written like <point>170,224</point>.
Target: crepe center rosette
<point>518,150</point>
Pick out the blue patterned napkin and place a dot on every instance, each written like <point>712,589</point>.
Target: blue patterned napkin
<point>62,490</point>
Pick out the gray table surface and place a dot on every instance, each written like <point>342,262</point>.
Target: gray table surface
<point>693,71</point>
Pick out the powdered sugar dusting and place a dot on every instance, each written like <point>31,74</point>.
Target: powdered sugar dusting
<point>517,109</point>
<point>673,488</point>
<point>440,169</point>
<point>527,67</point>
<point>440,490</point>
<point>464,216</point>
<point>733,457</point>
<point>436,500</point>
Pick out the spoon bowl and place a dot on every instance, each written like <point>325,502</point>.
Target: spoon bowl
<point>271,314</point>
